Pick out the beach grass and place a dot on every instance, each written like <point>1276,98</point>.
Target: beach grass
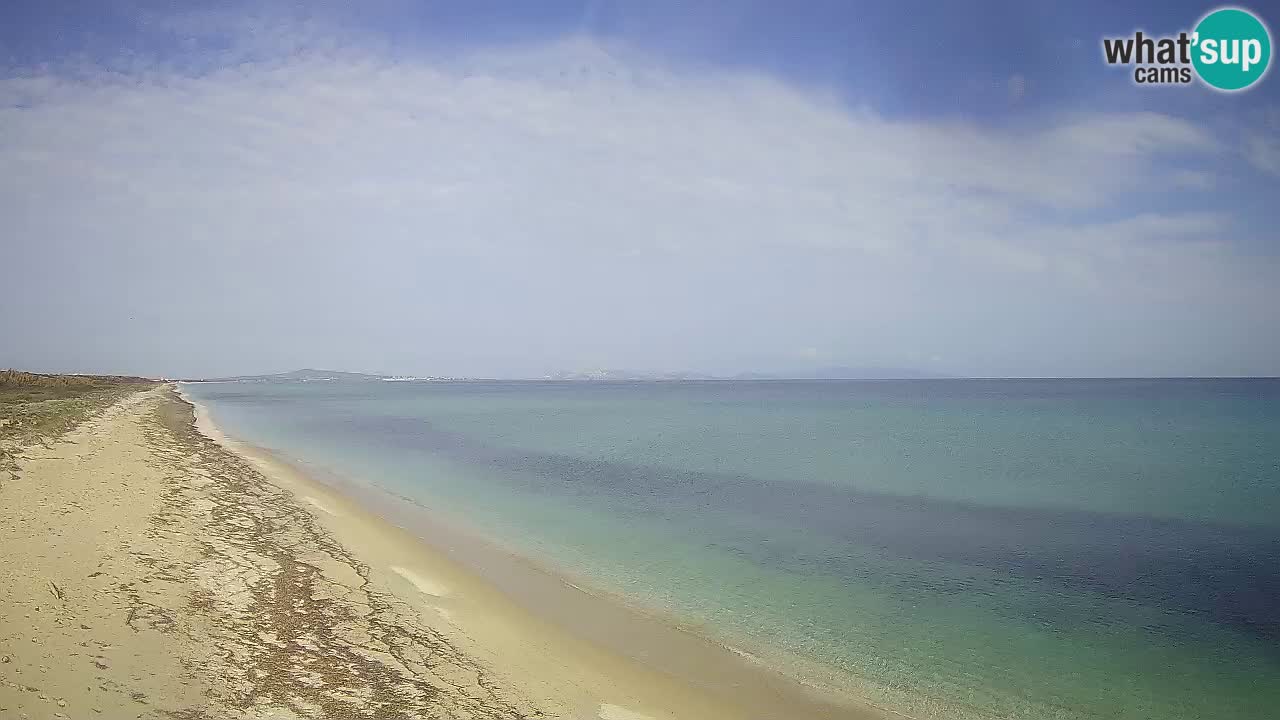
<point>37,407</point>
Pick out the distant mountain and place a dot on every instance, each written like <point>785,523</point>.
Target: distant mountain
<point>305,375</point>
<point>313,374</point>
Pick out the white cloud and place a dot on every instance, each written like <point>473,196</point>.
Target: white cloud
<point>567,149</point>
<point>564,133</point>
<point>1263,150</point>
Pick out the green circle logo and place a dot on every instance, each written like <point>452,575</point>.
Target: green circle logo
<point>1232,49</point>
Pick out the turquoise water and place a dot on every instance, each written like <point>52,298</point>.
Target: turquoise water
<point>959,548</point>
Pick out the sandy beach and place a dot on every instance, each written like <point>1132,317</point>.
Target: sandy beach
<point>154,568</point>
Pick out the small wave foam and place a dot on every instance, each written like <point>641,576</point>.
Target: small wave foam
<point>618,712</point>
<point>426,586</point>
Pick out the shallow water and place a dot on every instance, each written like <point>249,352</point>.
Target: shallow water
<point>1015,548</point>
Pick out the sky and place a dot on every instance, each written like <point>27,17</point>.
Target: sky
<point>508,189</point>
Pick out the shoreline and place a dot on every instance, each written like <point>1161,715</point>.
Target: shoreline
<point>475,586</point>
<point>150,573</point>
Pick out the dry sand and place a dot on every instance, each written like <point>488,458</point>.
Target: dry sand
<point>152,569</point>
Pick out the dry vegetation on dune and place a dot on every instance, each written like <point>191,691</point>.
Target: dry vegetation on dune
<point>22,386</point>
<point>35,407</point>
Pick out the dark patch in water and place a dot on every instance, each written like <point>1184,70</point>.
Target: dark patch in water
<point>1226,574</point>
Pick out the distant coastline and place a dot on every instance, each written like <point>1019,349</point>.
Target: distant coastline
<point>607,376</point>
<point>596,375</point>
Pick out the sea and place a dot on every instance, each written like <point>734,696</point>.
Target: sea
<point>1028,549</point>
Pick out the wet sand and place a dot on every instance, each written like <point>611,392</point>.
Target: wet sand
<point>157,570</point>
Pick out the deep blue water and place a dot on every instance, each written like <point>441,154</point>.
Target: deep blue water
<point>981,548</point>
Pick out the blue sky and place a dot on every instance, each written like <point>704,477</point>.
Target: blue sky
<point>931,58</point>
<point>514,188</point>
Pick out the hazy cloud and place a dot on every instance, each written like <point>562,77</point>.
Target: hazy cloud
<point>518,209</point>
